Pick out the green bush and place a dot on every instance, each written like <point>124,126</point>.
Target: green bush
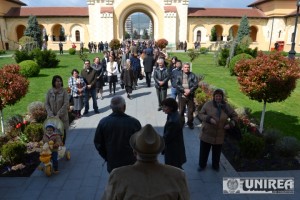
<point>240,50</point>
<point>13,152</point>
<point>272,136</point>
<point>11,124</point>
<point>72,51</point>
<point>223,57</point>
<point>3,140</point>
<point>46,59</point>
<point>34,132</point>
<point>235,60</point>
<point>29,68</point>
<point>22,55</point>
<point>251,146</point>
<point>203,50</point>
<point>2,52</point>
<point>288,146</point>
<point>284,53</point>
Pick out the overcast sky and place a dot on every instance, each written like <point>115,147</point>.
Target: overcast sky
<point>193,3</point>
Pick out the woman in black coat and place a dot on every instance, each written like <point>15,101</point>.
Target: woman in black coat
<point>127,78</point>
<point>173,135</point>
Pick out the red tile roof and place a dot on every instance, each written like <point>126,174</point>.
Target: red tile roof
<point>107,9</point>
<point>225,12</point>
<point>48,11</point>
<point>170,8</point>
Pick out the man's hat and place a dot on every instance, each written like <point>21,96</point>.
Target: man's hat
<point>147,141</point>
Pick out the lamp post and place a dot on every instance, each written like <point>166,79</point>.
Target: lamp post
<point>292,52</point>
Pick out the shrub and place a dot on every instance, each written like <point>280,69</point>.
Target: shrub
<point>22,55</point>
<point>203,50</point>
<point>284,53</point>
<point>34,132</point>
<point>193,54</point>
<point>46,59</point>
<point>2,52</point>
<point>114,44</point>
<point>3,140</point>
<point>288,146</point>
<point>72,51</point>
<point>29,68</point>
<point>203,94</point>
<point>251,146</point>
<point>37,112</point>
<point>272,136</point>
<point>223,57</point>
<point>13,152</point>
<point>235,60</point>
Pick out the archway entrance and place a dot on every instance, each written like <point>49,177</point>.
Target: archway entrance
<point>138,26</point>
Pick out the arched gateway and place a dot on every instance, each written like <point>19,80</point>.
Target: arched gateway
<point>107,18</point>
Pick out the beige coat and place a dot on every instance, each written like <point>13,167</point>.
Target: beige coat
<point>214,134</point>
<point>147,181</point>
<point>57,105</point>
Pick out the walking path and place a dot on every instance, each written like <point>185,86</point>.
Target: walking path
<point>85,176</point>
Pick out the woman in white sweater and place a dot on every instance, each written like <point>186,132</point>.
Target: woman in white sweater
<point>112,70</point>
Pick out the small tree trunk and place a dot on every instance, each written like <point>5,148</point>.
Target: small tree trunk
<point>2,123</point>
<point>262,118</point>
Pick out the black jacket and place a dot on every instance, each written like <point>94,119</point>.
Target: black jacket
<point>192,81</point>
<point>112,139</point>
<point>161,75</point>
<point>148,62</point>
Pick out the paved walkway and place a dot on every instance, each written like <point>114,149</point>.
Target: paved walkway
<point>85,176</point>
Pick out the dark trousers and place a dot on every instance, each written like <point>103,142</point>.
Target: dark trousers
<point>112,85</point>
<point>87,94</point>
<point>148,78</point>
<point>204,152</point>
<point>54,156</point>
<point>189,101</point>
<point>136,77</point>
<point>161,95</point>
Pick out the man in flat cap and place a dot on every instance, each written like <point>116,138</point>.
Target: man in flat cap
<point>147,178</point>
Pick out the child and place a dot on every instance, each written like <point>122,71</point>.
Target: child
<point>54,140</point>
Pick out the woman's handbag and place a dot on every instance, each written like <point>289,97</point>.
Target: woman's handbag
<point>141,77</point>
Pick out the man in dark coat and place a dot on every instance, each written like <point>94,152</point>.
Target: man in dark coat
<point>148,62</point>
<point>90,78</point>
<point>186,84</point>
<point>161,78</point>
<point>136,67</point>
<point>113,133</point>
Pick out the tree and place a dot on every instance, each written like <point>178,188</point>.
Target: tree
<point>135,35</point>
<point>13,87</point>
<point>145,35</point>
<point>127,35</point>
<point>268,78</point>
<point>244,29</point>
<point>213,34</point>
<point>33,30</point>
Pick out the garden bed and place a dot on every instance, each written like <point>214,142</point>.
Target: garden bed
<point>269,160</point>
<point>30,162</point>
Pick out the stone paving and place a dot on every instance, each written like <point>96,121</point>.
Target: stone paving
<point>85,176</point>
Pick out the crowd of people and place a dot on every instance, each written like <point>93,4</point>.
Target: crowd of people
<point>129,149</point>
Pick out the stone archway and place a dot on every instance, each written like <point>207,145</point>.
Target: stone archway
<point>154,12</point>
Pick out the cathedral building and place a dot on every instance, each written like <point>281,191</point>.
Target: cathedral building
<point>270,21</point>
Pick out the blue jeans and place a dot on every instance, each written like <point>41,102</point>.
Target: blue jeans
<point>173,93</point>
<point>87,93</point>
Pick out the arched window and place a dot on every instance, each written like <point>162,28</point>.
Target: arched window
<point>199,36</point>
<point>77,36</point>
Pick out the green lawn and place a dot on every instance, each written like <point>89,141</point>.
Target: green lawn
<point>283,116</point>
